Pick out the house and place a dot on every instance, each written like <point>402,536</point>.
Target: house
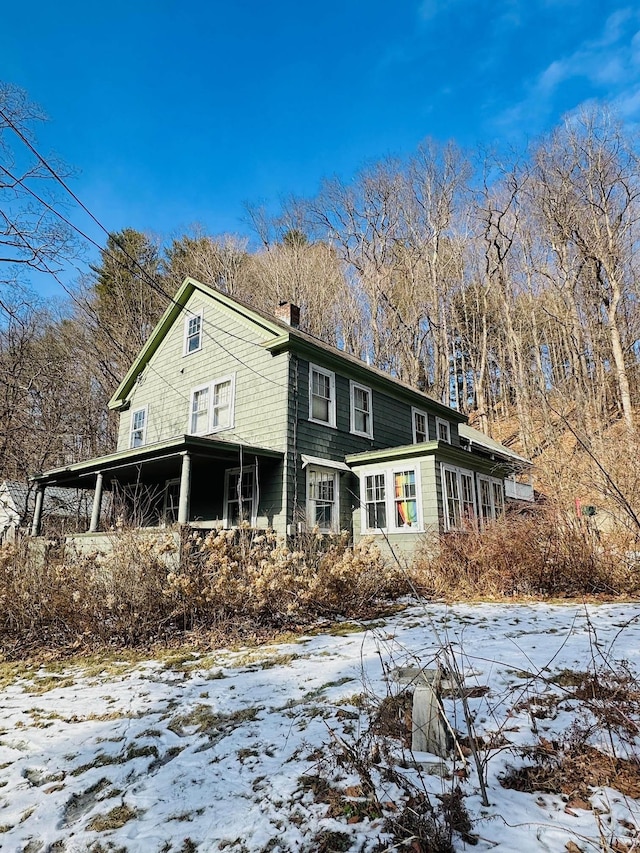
<point>230,414</point>
<point>63,509</point>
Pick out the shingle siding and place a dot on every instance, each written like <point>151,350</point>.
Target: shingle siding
<point>229,348</point>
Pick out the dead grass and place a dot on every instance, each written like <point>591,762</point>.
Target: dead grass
<point>541,554</point>
<point>575,772</point>
<point>114,819</point>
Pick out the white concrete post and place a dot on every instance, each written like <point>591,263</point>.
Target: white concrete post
<point>97,504</point>
<point>185,484</point>
<point>37,512</point>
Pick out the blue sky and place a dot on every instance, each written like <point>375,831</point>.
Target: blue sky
<point>180,112</point>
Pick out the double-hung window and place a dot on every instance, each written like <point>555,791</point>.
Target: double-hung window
<point>138,430</point>
<point>361,410</point>
<point>192,333</point>
<point>240,502</point>
<point>420,426</point>
<point>222,403</point>
<point>375,502</point>
<point>458,495</point>
<point>212,406</point>
<point>322,499</point>
<point>322,396</point>
<point>200,410</point>
<point>491,497</point>
<point>443,430</point>
<point>405,498</point>
<point>391,500</point>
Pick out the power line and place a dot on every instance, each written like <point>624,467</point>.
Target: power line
<point>150,281</point>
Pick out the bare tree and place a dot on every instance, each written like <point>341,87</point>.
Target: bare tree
<point>589,180</point>
<point>32,235</point>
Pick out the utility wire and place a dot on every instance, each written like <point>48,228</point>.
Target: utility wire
<point>149,280</point>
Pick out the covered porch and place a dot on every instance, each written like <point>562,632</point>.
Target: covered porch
<point>191,480</point>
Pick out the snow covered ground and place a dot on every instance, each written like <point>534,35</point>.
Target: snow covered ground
<point>258,749</point>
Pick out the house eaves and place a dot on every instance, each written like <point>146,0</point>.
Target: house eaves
<point>446,452</point>
<point>315,349</point>
<point>284,338</point>
<point>476,438</point>
<point>151,452</point>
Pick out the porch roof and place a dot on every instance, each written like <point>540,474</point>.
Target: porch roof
<point>208,448</point>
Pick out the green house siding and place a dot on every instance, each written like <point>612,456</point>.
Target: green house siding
<point>392,425</point>
<point>402,545</point>
<point>429,458</point>
<point>229,348</point>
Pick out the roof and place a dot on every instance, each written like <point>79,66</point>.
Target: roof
<point>58,501</point>
<point>474,436</point>
<point>279,337</point>
<point>198,445</point>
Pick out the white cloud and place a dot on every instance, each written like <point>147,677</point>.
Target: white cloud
<point>609,63</point>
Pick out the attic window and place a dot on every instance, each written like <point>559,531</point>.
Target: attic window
<point>192,333</point>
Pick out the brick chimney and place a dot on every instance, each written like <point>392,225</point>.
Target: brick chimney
<point>288,313</point>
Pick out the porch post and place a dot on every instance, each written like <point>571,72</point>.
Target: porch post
<point>37,512</point>
<point>97,504</point>
<point>185,483</point>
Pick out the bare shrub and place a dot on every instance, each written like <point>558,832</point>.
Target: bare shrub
<point>52,598</point>
<point>541,553</point>
<point>149,588</point>
<point>256,575</point>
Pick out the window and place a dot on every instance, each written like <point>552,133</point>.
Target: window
<point>171,502</point>
<point>390,500</point>
<point>375,501</point>
<point>138,427</point>
<point>222,404</point>
<point>322,396</point>
<point>322,499</point>
<point>420,426</point>
<point>240,496</point>
<point>361,410</point>
<point>443,430</point>
<point>458,496</point>
<point>405,498</point>
<point>200,411</point>
<point>491,497</point>
<point>193,333</point>
<point>452,502</point>
<point>211,408</point>
<point>486,504</point>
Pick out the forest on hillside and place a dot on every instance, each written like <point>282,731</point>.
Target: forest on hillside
<point>505,285</point>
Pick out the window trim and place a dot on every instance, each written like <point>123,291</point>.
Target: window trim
<point>211,386</point>
<point>254,495</point>
<point>415,412</point>
<point>492,481</point>
<point>459,473</point>
<point>194,391</point>
<point>231,378</point>
<point>390,500</point>
<point>353,386</point>
<point>143,441</point>
<point>185,340</point>
<point>332,391</point>
<point>441,422</point>
<point>310,502</point>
